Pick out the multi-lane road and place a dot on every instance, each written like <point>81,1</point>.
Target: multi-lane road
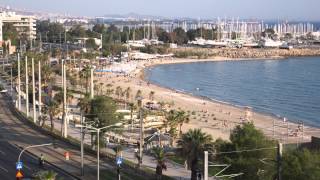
<point>15,133</point>
<point>8,159</point>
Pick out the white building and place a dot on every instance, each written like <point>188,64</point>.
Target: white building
<point>24,24</point>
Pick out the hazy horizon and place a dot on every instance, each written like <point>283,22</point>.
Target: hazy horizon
<point>244,9</point>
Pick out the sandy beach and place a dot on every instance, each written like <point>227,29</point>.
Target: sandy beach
<point>213,117</point>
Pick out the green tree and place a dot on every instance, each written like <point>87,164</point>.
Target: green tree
<point>248,137</point>
<point>151,95</point>
<point>301,164</point>
<point>118,91</point>
<point>103,113</point>
<point>192,145</point>
<point>164,36</point>
<point>78,31</point>
<point>91,44</point>
<point>132,108</point>
<point>138,94</point>
<point>160,156</point>
<point>99,28</point>
<point>85,104</point>
<point>192,34</point>
<point>53,110</point>
<point>10,33</point>
<point>85,73</point>
<point>179,36</point>
<point>182,117</point>
<point>46,175</point>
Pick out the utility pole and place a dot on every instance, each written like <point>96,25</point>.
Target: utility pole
<point>98,153</point>
<point>39,88</point>
<point>206,165</point>
<point>81,148</point>
<point>11,89</point>
<point>27,88</point>
<point>101,45</point>
<point>19,84</point>
<point>64,86</point>
<point>33,93</point>
<point>91,84</point>
<point>279,156</point>
<point>141,131</point>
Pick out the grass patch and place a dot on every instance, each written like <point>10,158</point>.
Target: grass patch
<point>177,159</point>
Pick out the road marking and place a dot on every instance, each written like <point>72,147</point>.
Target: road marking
<point>27,167</point>
<point>3,153</point>
<point>4,169</point>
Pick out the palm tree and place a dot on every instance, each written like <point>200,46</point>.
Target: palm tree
<point>128,92</point>
<point>53,110</point>
<point>118,91</point>
<point>182,117</point>
<point>109,90</point>
<point>132,108</point>
<point>85,73</point>
<point>46,74</point>
<point>85,104</point>
<point>160,157</point>
<point>192,145</point>
<point>59,97</point>
<point>171,120</point>
<point>46,175</point>
<point>151,95</point>
<point>101,87</point>
<point>138,94</point>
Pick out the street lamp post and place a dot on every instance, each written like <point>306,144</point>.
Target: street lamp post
<point>11,82</point>
<point>139,99</point>
<point>82,139</point>
<point>33,146</point>
<point>33,93</point>
<point>39,88</point>
<point>27,86</point>
<point>19,84</point>
<point>98,141</point>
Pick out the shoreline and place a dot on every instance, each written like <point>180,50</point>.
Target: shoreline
<point>215,117</point>
<point>279,118</point>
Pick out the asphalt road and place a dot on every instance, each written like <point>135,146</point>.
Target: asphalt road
<point>8,157</point>
<point>17,133</point>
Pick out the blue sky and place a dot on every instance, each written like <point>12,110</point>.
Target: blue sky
<point>261,9</point>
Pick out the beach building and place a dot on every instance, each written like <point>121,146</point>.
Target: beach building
<point>24,24</point>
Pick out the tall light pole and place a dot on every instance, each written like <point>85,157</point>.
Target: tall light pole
<point>19,84</point>
<point>81,148</point>
<point>33,93</point>
<point>11,83</point>
<point>205,165</point>
<point>91,84</point>
<point>64,87</point>
<point>98,142</point>
<point>39,88</point>
<point>141,142</point>
<point>27,87</point>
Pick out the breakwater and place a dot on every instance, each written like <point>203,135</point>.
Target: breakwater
<point>191,52</point>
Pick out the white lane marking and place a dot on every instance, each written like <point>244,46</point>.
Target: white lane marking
<point>27,167</point>
<point>4,169</point>
<point>3,153</point>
